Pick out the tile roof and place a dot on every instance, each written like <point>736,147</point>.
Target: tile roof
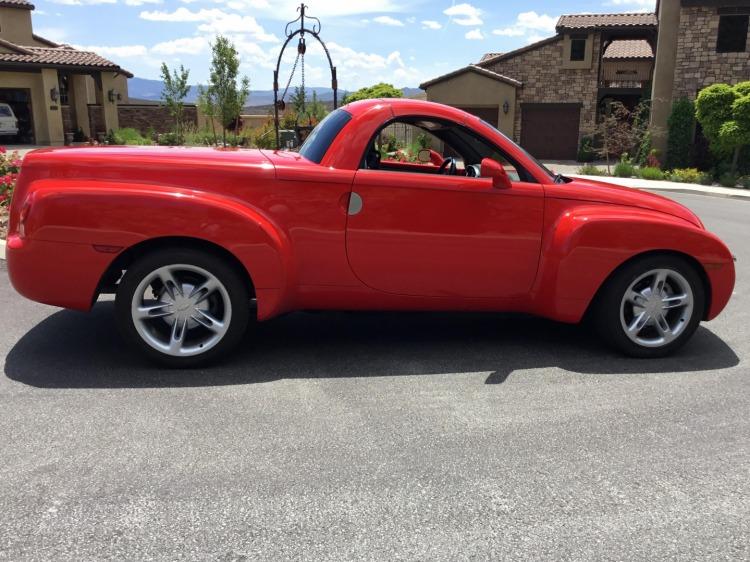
<point>59,56</point>
<point>629,49</point>
<point>472,68</point>
<point>588,21</point>
<point>16,4</point>
<point>488,56</point>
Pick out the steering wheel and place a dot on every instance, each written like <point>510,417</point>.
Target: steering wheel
<point>448,166</point>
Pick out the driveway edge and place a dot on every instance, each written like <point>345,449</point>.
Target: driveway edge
<point>727,192</point>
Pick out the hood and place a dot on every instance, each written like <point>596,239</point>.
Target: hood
<point>603,192</point>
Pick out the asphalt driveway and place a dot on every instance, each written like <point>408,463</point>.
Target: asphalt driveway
<point>379,437</point>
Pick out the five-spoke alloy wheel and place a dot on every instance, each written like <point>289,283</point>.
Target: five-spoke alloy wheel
<point>182,306</point>
<point>651,306</point>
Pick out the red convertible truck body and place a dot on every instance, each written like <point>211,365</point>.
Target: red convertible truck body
<point>338,234</point>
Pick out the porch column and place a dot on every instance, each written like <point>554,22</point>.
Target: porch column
<point>666,55</point>
<point>78,101</point>
<point>106,83</point>
<point>52,126</point>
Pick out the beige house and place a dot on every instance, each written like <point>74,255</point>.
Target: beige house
<point>548,94</point>
<point>54,89</point>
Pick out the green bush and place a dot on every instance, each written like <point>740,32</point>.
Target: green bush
<point>586,150</point>
<point>591,170</point>
<point>706,179</point>
<point>651,173</point>
<point>728,180</point>
<point>685,175</point>
<point>624,168</point>
<point>644,150</point>
<point>127,135</point>
<point>680,126</point>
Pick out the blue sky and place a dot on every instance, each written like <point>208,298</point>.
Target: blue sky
<point>403,42</point>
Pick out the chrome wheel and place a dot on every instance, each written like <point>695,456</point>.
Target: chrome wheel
<point>181,310</point>
<point>656,308</point>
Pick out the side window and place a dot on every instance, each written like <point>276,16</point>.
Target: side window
<point>577,47</point>
<point>732,36</point>
<point>403,142</point>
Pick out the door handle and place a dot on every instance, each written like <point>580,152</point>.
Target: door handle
<point>355,204</point>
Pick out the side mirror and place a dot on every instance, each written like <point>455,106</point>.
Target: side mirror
<point>493,169</point>
<point>423,156</point>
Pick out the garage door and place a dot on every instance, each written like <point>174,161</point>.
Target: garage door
<point>489,114</point>
<point>550,130</point>
<point>20,101</point>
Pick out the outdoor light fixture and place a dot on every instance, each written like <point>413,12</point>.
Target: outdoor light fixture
<point>112,95</point>
<point>506,107</point>
<point>54,94</point>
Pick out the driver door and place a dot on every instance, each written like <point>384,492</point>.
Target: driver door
<point>443,235</point>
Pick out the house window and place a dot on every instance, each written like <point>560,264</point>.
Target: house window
<point>577,47</point>
<point>732,36</point>
<point>62,85</point>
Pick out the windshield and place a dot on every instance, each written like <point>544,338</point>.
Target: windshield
<point>5,111</point>
<point>317,143</point>
<point>549,172</point>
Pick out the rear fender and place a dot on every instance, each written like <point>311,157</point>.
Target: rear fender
<point>586,244</point>
<point>117,216</point>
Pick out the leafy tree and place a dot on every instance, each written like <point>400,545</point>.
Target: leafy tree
<point>207,106</point>
<point>724,113</point>
<point>619,130</point>
<point>176,88</point>
<point>381,90</point>
<point>680,125</point>
<point>227,97</point>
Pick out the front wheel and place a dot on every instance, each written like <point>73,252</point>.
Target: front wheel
<point>651,306</point>
<point>182,307</point>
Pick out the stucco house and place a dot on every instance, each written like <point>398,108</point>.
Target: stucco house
<point>547,95</point>
<point>53,88</point>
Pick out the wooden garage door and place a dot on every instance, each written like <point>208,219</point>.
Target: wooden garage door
<point>550,130</point>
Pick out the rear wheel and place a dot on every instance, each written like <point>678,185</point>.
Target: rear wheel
<point>182,307</point>
<point>651,306</point>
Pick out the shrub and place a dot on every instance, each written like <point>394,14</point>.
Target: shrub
<point>706,179</point>
<point>645,150</point>
<point>685,175</point>
<point>127,135</point>
<point>728,179</point>
<point>586,150</point>
<point>10,165</point>
<point>680,126</point>
<point>625,167</point>
<point>652,160</point>
<point>591,170</point>
<point>651,173</point>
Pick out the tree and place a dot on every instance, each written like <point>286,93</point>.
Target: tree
<point>619,130</point>
<point>381,90</point>
<point>680,125</point>
<point>724,113</point>
<point>307,111</point>
<point>227,97</point>
<point>207,107</point>
<point>176,88</point>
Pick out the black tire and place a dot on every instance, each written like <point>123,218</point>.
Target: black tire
<point>607,308</point>
<point>236,289</point>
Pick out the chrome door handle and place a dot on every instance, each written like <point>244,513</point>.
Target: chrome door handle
<point>355,203</point>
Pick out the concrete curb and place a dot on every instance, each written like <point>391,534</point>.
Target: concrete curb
<point>2,249</point>
<point>651,185</point>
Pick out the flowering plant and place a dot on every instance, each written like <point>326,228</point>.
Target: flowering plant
<point>10,164</point>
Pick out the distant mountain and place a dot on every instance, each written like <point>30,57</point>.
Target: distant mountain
<point>150,90</point>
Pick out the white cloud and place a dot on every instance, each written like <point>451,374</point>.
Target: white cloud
<point>83,2</point>
<point>184,45</point>
<point>474,34</point>
<point>431,24</point>
<point>142,2</point>
<point>637,5</point>
<point>388,20</point>
<point>182,14</point>
<point>214,21</point>
<point>324,9</point>
<point>464,14</point>
<point>56,34</point>
<point>124,51</point>
<point>530,25</point>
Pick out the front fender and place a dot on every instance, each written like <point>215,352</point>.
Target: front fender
<point>585,244</point>
<point>119,215</point>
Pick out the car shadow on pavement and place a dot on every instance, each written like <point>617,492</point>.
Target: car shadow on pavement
<point>76,350</point>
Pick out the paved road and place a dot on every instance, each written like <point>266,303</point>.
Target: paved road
<point>380,437</point>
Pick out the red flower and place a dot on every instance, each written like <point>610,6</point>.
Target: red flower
<point>3,150</point>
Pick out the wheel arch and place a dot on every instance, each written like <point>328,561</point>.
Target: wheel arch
<point>697,266</point>
<point>113,273</point>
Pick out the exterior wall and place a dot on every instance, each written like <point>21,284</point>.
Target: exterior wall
<point>15,26</point>
<point>96,120</point>
<point>546,81</point>
<point>627,70</point>
<point>697,63</point>
<point>587,57</point>
<point>156,117</point>
<point>474,90</point>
